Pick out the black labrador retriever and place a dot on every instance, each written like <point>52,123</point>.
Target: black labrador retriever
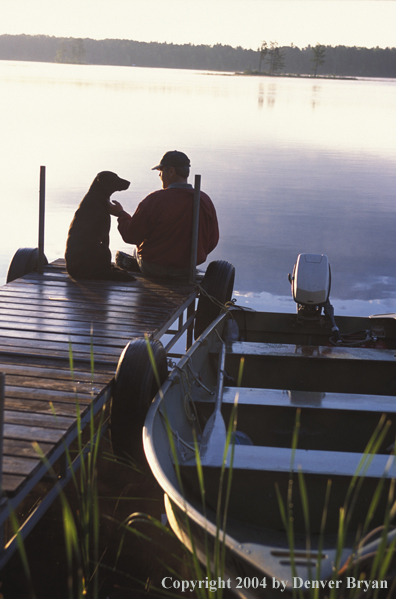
<point>87,248</point>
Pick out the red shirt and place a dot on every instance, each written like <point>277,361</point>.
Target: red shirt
<point>161,227</point>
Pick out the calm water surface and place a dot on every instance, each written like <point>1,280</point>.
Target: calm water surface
<point>292,165</point>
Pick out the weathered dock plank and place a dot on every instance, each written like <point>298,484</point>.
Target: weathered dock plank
<point>33,433</point>
<point>17,447</point>
<point>27,370</point>
<point>30,393</point>
<point>11,483</point>
<point>61,407</point>
<point>20,466</point>
<point>43,420</point>
<point>57,349</point>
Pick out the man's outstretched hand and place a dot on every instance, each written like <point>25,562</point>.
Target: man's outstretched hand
<point>115,207</point>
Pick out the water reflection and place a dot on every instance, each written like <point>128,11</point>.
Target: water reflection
<point>315,96</point>
<point>261,96</point>
<point>266,94</point>
<point>292,166</point>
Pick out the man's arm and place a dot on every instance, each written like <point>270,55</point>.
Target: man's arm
<point>132,228</point>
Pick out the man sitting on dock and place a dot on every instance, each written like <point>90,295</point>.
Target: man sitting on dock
<point>161,226</point>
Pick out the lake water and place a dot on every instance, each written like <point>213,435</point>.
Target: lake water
<point>292,165</point>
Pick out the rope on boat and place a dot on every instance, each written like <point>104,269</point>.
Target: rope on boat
<point>196,377</point>
<point>226,306</point>
<point>179,440</point>
<point>188,402</point>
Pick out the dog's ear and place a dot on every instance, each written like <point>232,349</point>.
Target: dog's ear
<point>97,181</point>
<point>106,178</point>
<point>102,177</point>
<point>101,182</point>
<point>111,182</point>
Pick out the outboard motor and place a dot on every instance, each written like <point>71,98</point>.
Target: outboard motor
<point>310,283</point>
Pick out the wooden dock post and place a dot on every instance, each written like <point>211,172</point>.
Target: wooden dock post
<point>195,227</point>
<point>41,259</point>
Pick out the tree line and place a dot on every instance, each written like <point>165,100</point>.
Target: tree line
<point>270,58</point>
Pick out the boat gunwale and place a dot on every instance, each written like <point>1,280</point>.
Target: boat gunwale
<point>148,438</point>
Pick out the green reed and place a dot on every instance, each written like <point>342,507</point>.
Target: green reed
<point>381,560</point>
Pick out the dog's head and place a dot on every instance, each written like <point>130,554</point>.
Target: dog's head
<point>109,182</point>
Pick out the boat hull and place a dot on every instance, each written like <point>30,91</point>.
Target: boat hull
<point>332,396</point>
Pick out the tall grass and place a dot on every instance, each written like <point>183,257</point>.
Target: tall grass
<point>380,560</point>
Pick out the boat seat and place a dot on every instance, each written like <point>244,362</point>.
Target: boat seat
<point>332,352</point>
<point>262,468</point>
<point>304,367</point>
<point>313,462</point>
<point>268,417</point>
<point>248,396</point>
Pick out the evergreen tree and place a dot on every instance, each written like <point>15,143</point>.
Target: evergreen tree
<point>263,53</point>
<point>279,62</point>
<point>319,53</point>
<point>276,58</point>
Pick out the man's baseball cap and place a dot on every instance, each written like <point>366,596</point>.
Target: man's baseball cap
<point>173,158</point>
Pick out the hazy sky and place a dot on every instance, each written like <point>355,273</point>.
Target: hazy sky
<point>236,22</point>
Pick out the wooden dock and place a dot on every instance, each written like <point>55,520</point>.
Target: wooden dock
<point>42,318</point>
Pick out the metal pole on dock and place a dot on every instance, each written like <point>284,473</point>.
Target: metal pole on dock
<point>195,226</point>
<point>41,222</point>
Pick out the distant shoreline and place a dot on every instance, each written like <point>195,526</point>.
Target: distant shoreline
<point>294,75</point>
<point>338,62</point>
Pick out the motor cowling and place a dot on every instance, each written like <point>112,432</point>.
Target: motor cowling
<point>311,280</point>
<point>310,284</point>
